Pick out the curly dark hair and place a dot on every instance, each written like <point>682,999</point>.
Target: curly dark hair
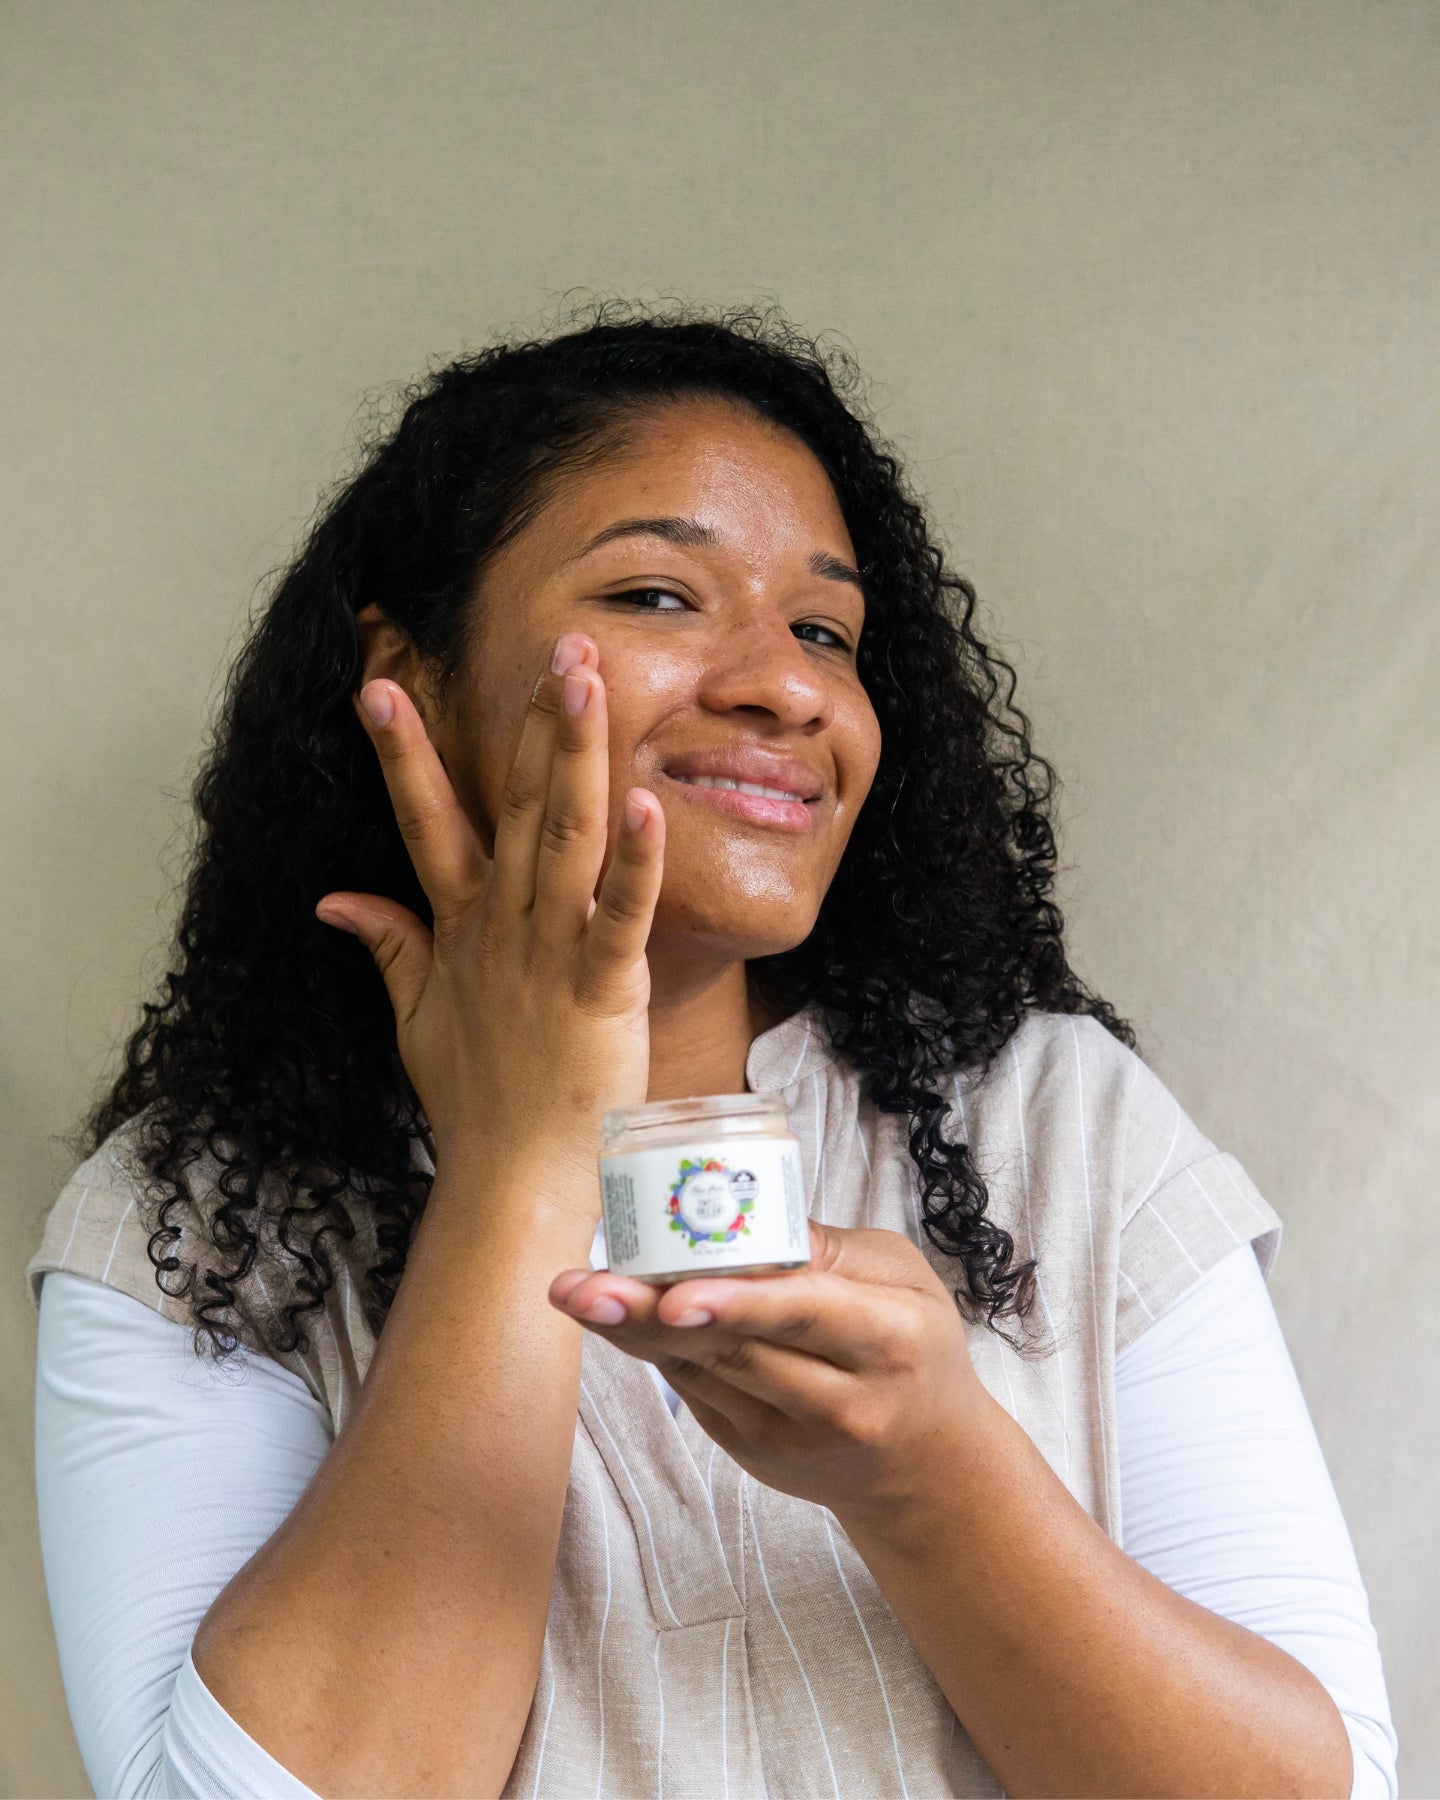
<point>272,1046</point>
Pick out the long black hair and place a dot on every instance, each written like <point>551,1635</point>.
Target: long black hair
<point>271,1046</point>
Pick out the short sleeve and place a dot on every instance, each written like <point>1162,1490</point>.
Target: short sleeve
<point>95,1228</point>
<point>1187,1204</point>
<point>100,1227</point>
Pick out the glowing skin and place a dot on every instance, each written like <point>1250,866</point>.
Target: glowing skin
<point>719,663</point>
<point>744,643</point>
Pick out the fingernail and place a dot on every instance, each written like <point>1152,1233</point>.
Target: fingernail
<point>634,813</point>
<point>379,703</point>
<point>335,919</point>
<point>577,692</point>
<point>604,1311</point>
<point>695,1315</point>
<point>569,650</point>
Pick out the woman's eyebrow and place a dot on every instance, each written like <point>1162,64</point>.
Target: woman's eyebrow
<point>830,568</point>
<point>690,534</point>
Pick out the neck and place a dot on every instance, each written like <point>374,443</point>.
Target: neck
<point>701,1029</point>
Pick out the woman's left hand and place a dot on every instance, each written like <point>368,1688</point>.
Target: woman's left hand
<point>848,1383</point>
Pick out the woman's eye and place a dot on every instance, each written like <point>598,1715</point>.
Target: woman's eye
<point>642,596</point>
<point>644,599</point>
<point>840,643</point>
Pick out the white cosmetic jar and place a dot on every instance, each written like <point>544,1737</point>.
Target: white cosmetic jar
<point>707,1186</point>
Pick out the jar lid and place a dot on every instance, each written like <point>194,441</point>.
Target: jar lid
<point>699,1106</point>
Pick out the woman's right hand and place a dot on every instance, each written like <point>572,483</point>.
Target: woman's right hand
<point>525,1014</point>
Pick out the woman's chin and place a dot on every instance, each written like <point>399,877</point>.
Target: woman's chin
<point>726,929</point>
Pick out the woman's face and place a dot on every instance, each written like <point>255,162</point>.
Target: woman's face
<point>709,562</point>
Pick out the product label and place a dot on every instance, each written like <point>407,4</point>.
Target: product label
<point>715,1205</point>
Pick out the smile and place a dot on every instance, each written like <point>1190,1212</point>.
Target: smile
<point>749,800</point>
<point>740,787</point>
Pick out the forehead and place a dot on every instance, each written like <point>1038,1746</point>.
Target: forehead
<point>757,489</point>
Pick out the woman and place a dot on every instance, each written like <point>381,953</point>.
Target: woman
<point>465,882</point>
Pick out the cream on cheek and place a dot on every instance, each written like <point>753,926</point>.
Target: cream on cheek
<point>759,888</point>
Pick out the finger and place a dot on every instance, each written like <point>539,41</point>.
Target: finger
<point>399,942</point>
<point>803,1387</point>
<point>622,915</point>
<point>790,1380</point>
<point>564,1282</point>
<point>853,1325</point>
<point>527,784</point>
<point>731,1434</point>
<point>448,857</point>
<point>855,1305</point>
<point>743,1418</point>
<point>576,821</point>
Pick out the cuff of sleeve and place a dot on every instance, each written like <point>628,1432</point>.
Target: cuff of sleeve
<point>1178,1233</point>
<point>208,1756</point>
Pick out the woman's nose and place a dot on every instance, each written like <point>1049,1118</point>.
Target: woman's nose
<point>758,661</point>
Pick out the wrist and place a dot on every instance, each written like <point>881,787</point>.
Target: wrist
<point>545,1187</point>
<point>967,1471</point>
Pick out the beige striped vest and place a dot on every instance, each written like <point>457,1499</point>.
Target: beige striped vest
<point>708,1636</point>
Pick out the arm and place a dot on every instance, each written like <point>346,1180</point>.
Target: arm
<point>457,1456</point>
<point>850,1384</point>
<point>387,1639</point>
<point>1226,1497</point>
<point>159,1477</point>
<point>1097,1678</point>
<point>155,1477</point>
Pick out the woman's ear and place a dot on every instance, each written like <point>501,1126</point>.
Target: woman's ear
<point>388,650</point>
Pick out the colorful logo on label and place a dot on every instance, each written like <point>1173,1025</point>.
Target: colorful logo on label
<point>710,1203</point>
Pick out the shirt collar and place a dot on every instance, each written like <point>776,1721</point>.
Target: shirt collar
<point>780,1058</point>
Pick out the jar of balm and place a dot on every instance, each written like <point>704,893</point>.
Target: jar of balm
<point>709,1186</point>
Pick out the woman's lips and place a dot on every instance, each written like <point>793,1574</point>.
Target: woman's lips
<point>755,809</point>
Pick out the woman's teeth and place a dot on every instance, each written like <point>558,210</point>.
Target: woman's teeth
<point>742,787</point>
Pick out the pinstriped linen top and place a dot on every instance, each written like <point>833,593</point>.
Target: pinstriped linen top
<point>708,1635</point>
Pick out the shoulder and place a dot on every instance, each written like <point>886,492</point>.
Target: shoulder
<point>1075,1091</point>
<point>1054,1057</point>
<point>120,1223</point>
<point>1111,1162</point>
<point>162,1242</point>
<point>96,1221</point>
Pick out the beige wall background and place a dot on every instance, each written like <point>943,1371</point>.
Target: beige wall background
<point>1149,294</point>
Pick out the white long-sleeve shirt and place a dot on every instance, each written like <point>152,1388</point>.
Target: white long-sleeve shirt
<point>158,1476</point>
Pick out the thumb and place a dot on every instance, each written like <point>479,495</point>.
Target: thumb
<point>864,1253</point>
<point>400,943</point>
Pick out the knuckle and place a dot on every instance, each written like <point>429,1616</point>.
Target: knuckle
<point>892,1361</point>
<point>417,819</point>
<point>564,828</point>
<point>860,1423</point>
<point>518,800</point>
<point>799,1325</point>
<point>734,1358</point>
<point>386,951</point>
<point>902,1345</point>
<point>620,907</point>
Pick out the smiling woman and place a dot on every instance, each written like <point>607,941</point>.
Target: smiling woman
<point>618,735</point>
<point>749,674</point>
